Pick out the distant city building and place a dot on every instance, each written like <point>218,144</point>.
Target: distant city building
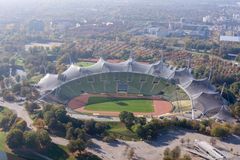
<point>62,25</point>
<point>230,38</point>
<point>207,19</point>
<point>36,26</point>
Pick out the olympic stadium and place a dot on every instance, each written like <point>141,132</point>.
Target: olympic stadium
<point>136,80</point>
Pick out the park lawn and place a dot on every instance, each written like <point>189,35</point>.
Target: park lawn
<point>84,64</point>
<point>56,152</point>
<point>19,62</point>
<point>2,141</point>
<point>119,131</point>
<point>35,79</point>
<point>3,112</point>
<point>119,104</point>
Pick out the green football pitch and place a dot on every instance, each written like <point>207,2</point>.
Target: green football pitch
<point>119,104</point>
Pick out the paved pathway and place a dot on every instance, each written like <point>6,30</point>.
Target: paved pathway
<point>22,113</point>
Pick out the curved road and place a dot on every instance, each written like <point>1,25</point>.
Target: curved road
<point>22,113</point>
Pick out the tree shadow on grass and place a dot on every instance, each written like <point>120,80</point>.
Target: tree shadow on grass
<point>88,156</point>
<point>55,152</point>
<point>121,103</point>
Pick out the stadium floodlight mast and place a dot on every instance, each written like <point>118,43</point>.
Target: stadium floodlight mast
<point>223,88</point>
<point>193,117</point>
<point>189,62</point>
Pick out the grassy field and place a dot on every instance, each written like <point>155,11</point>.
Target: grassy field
<point>2,141</point>
<point>84,64</point>
<point>35,79</point>
<point>119,104</point>
<point>3,111</point>
<point>118,130</point>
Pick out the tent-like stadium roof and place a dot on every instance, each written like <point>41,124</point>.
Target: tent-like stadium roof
<point>52,81</point>
<point>206,102</point>
<point>224,115</point>
<point>183,76</point>
<point>195,86</point>
<point>49,82</point>
<point>201,92</point>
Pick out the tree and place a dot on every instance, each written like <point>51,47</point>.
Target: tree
<point>89,127</point>
<point>188,141</point>
<point>213,141</point>
<point>20,124</point>
<point>70,133</point>
<point>77,145</point>
<point>131,154</point>
<point>235,88</point>
<point>236,129</point>
<point>182,141</point>
<point>219,131</point>
<point>39,123</point>
<point>167,152</point>
<point>4,123</point>
<point>52,124</point>
<point>15,138</point>
<point>44,138</point>
<point>61,115</point>
<point>141,120</point>
<point>127,118</point>
<point>80,134</point>
<point>31,139</point>
<point>176,153</point>
<point>236,110</point>
<point>47,116</point>
<point>16,88</point>
<point>30,107</point>
<point>100,128</point>
<point>186,157</point>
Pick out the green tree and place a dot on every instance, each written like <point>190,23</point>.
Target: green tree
<point>4,123</point>
<point>219,131</point>
<point>77,145</point>
<point>236,129</point>
<point>44,138</point>
<point>16,88</point>
<point>186,157</point>
<point>70,133</point>
<point>31,139</point>
<point>236,110</point>
<point>15,138</point>
<point>100,127</point>
<point>89,127</point>
<point>127,118</point>
<point>80,134</point>
<point>30,107</point>
<point>20,124</point>
<point>141,120</point>
<point>48,115</point>
<point>167,152</point>
<point>235,88</point>
<point>61,115</point>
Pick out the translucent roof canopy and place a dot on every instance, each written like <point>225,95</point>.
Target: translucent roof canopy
<point>200,91</point>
